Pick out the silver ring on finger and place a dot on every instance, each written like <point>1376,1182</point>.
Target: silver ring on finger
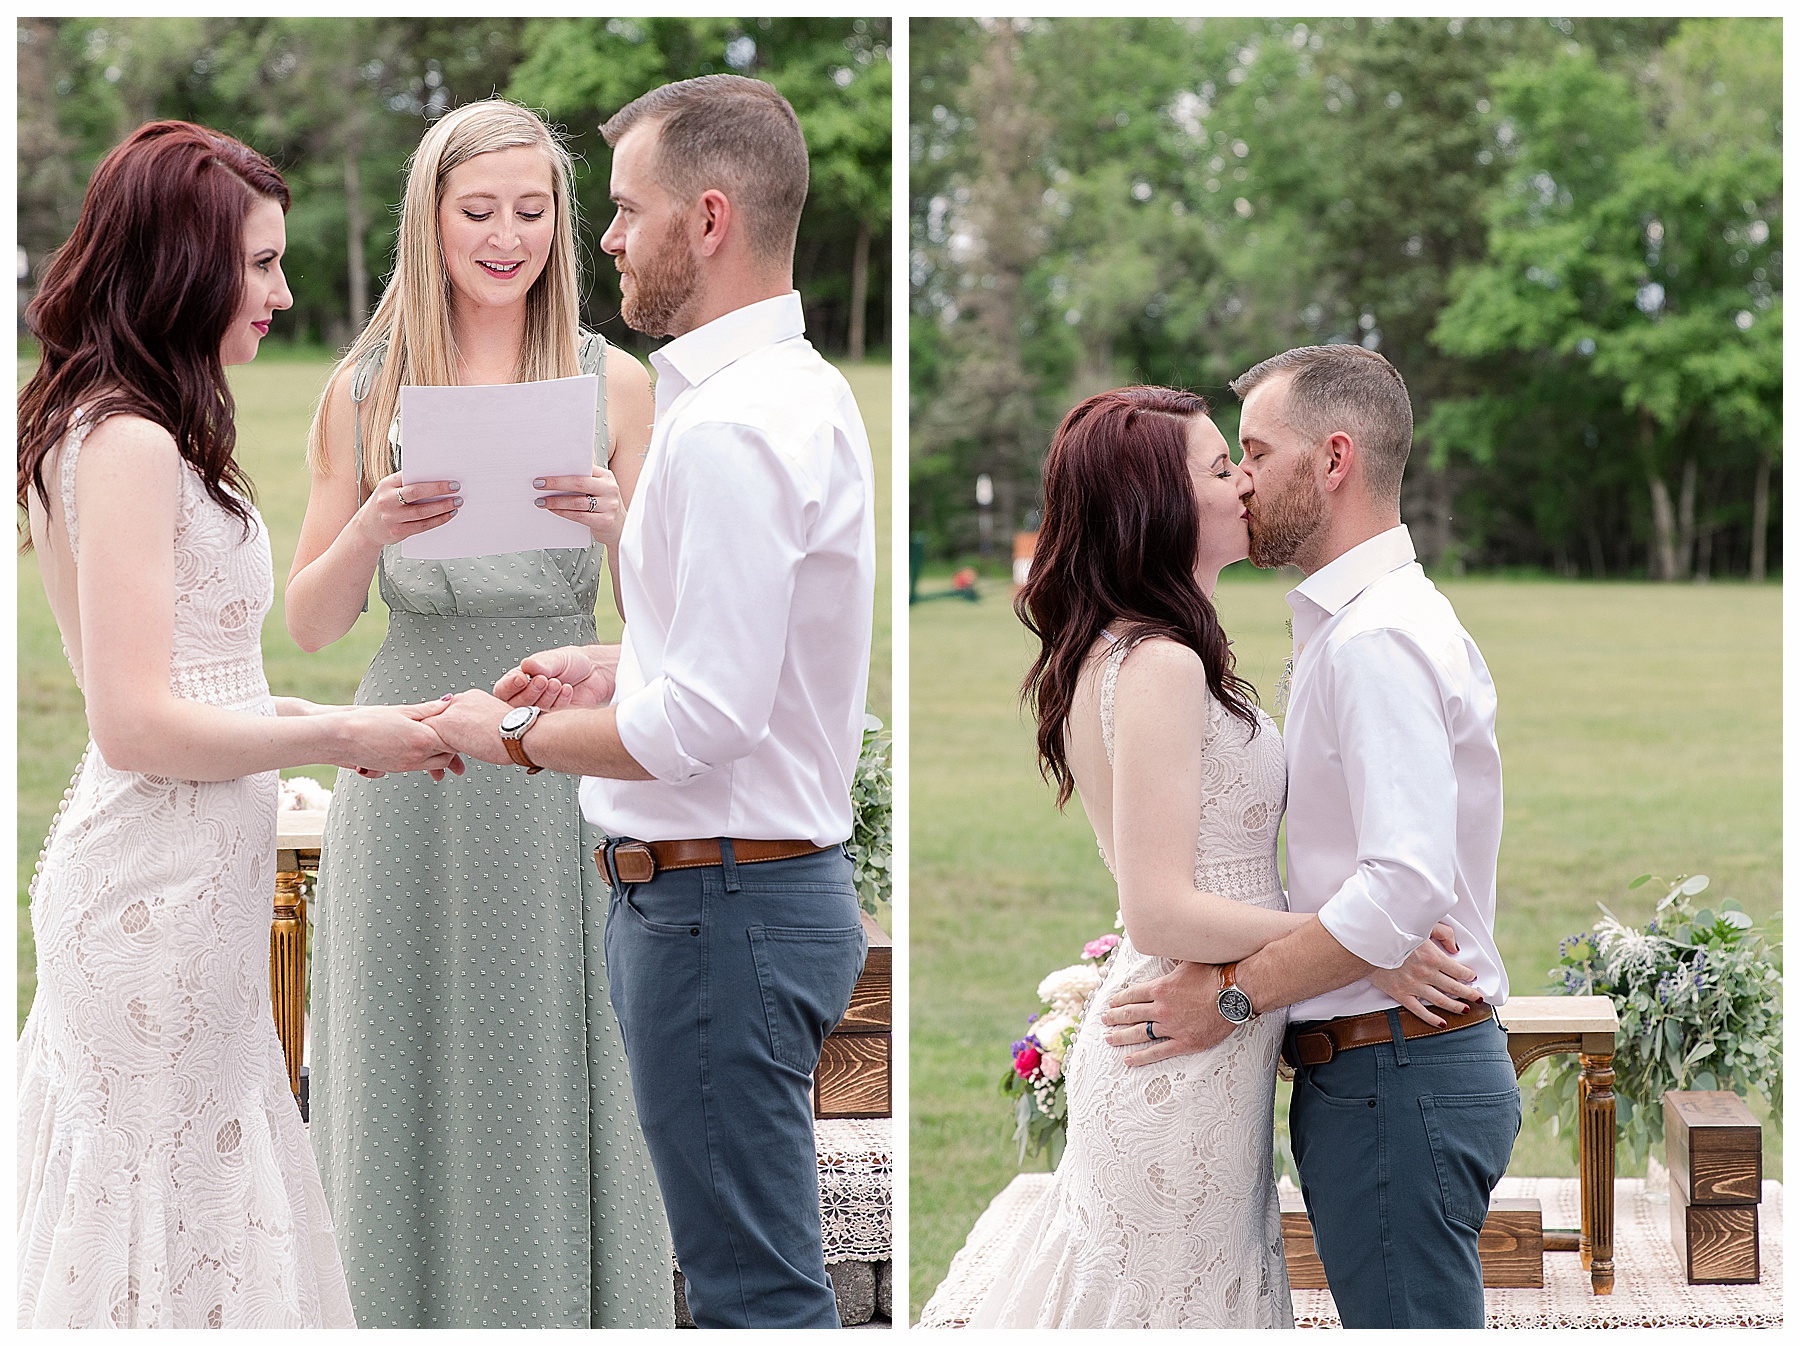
<point>593,504</point>
<point>400,496</point>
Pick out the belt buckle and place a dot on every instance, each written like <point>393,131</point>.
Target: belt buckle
<point>633,863</point>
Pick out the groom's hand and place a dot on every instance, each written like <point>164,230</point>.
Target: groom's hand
<point>1183,1007</point>
<point>556,679</point>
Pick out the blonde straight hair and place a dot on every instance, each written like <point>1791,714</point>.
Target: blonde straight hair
<point>413,317</point>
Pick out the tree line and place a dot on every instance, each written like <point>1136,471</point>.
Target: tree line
<point>1566,234</point>
<point>339,105</point>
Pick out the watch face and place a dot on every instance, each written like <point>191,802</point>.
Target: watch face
<point>516,719</point>
<point>1234,1005</point>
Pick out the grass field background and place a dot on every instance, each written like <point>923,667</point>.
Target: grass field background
<point>1640,727</point>
<point>275,397</point>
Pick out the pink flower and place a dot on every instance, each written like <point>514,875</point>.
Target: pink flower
<point>1026,1062</point>
<point>1099,948</point>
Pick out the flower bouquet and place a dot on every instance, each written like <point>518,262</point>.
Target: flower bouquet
<point>1698,992</point>
<point>1035,1078</point>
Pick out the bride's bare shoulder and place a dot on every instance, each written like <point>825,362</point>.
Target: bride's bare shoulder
<point>1158,661</point>
<point>126,435</point>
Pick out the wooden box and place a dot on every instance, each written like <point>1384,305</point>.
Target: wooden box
<point>1511,1246</point>
<point>1714,1149</point>
<point>855,1077</point>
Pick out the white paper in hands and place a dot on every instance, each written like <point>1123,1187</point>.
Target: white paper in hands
<point>496,441</point>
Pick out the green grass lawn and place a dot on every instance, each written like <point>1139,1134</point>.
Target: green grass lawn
<point>275,398</point>
<point>1641,732</point>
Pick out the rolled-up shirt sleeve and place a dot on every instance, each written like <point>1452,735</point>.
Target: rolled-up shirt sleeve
<point>1394,739</point>
<point>742,510</point>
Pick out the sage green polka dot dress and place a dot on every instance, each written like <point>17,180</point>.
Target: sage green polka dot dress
<point>471,1109</point>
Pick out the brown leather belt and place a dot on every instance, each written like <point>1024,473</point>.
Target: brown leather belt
<point>1318,1044</point>
<point>640,861</point>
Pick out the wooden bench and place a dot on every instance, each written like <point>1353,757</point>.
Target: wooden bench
<point>1585,1026</point>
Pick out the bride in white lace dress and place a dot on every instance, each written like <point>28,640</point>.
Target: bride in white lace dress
<point>1163,1211</point>
<point>165,1179</point>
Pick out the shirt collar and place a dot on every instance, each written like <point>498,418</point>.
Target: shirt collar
<point>1332,587</point>
<point>697,355</point>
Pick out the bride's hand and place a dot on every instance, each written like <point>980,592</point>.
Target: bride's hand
<point>1430,978</point>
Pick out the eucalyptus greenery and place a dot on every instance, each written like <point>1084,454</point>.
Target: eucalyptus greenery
<point>871,844</point>
<point>1698,992</point>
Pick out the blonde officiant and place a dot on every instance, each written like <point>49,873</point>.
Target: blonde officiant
<point>471,1108</point>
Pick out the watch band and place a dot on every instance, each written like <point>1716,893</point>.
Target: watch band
<point>516,750</point>
<point>1234,1005</point>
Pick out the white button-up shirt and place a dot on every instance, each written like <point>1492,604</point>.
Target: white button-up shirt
<point>747,571</point>
<point>1394,801</point>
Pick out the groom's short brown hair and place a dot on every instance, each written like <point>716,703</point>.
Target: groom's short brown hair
<point>734,134</point>
<point>1351,389</point>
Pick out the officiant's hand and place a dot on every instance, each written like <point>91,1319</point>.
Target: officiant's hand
<point>395,511</point>
<point>556,679</point>
<point>1182,1007</point>
<point>593,502</point>
<point>1430,978</point>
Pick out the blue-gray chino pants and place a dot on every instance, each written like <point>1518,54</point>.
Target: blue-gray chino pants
<point>726,980</point>
<point>1399,1146</point>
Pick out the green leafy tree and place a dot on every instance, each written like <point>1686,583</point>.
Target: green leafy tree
<point>836,73</point>
<point>1644,260</point>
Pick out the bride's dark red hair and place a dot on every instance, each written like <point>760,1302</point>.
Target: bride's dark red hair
<point>134,306</point>
<point>1117,549</point>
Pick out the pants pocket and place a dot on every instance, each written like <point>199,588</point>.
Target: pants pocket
<point>805,976</point>
<point>1471,1138</point>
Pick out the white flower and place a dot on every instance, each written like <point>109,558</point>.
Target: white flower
<point>1052,1068</point>
<point>1067,990</point>
<point>304,794</point>
<point>1053,1032</point>
<point>1630,954</point>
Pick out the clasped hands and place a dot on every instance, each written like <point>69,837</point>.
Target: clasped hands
<point>467,724</point>
<point>578,677</point>
<point>1183,1005</point>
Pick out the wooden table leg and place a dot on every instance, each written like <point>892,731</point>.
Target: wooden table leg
<point>1599,1140</point>
<point>287,970</point>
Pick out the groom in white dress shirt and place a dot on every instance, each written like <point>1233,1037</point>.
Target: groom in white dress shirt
<point>721,765</point>
<point>1404,1113</point>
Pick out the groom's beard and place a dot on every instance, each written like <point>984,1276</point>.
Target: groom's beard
<point>1282,524</point>
<point>661,286</point>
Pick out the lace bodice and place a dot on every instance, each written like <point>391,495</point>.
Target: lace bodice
<point>1244,779</point>
<point>224,588</point>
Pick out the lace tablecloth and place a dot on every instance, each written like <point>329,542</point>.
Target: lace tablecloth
<point>1649,1288</point>
<point>856,1188</point>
